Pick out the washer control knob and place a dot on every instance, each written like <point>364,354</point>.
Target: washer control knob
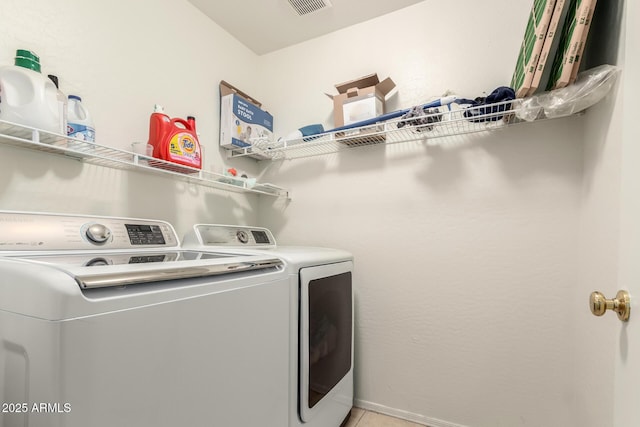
<point>98,233</point>
<point>242,236</point>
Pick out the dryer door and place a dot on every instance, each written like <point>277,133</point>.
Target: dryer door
<point>326,339</point>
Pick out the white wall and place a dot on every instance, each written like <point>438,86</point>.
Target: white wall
<point>123,57</point>
<point>467,254</point>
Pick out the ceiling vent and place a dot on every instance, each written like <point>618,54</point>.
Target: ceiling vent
<point>305,7</point>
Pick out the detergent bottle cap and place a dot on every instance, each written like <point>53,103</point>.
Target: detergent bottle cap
<point>27,59</point>
<point>24,53</point>
<point>158,108</point>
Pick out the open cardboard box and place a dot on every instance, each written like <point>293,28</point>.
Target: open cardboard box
<point>360,99</point>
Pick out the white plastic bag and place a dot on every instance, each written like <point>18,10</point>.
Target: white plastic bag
<point>589,88</point>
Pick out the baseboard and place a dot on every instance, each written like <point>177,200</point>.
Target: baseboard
<point>405,415</point>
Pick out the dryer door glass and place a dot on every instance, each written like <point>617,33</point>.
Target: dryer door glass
<point>330,329</point>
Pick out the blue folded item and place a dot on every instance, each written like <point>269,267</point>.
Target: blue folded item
<point>482,110</point>
<point>311,130</point>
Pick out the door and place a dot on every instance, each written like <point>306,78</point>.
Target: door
<point>627,357</point>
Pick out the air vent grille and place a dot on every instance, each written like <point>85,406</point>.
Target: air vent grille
<point>304,7</point>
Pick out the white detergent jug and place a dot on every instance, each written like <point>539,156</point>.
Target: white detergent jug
<point>79,123</point>
<point>27,97</point>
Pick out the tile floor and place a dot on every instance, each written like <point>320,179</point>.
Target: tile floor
<point>362,418</point>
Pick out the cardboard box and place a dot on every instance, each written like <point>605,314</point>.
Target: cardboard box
<point>360,138</point>
<point>549,48</point>
<point>534,35</point>
<point>565,56</point>
<point>583,41</point>
<point>360,99</point>
<point>242,121</point>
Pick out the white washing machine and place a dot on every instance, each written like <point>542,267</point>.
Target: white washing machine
<point>107,322</point>
<point>321,373</point>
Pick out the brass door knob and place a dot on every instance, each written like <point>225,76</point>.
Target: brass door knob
<point>621,304</point>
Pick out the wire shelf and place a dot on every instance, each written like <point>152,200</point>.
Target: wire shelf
<point>96,154</point>
<point>436,123</point>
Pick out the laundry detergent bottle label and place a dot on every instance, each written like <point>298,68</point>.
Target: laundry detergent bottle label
<point>184,149</point>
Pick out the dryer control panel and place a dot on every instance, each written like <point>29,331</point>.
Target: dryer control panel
<point>28,231</point>
<point>230,236</point>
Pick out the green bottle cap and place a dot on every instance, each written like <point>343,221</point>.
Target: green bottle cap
<point>27,63</point>
<point>23,53</point>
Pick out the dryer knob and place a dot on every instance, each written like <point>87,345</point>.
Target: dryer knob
<point>98,233</point>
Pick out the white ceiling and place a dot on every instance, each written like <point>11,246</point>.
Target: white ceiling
<point>268,25</point>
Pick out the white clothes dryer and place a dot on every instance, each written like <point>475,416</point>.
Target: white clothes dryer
<point>321,335</point>
<point>108,322</point>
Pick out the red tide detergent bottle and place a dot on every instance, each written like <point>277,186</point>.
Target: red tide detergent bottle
<point>174,140</point>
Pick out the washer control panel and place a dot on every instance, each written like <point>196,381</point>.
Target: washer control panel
<point>145,234</point>
<point>26,231</point>
<point>230,236</point>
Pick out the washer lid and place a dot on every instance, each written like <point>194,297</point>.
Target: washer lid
<point>103,269</point>
<point>92,259</point>
<point>94,279</point>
